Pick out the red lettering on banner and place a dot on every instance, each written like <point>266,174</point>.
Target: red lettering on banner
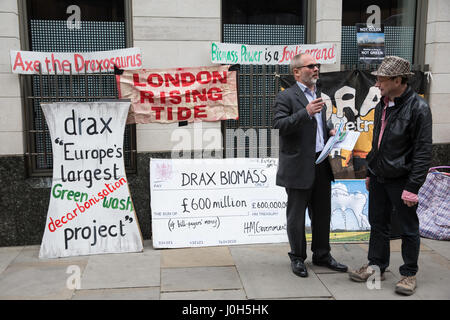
<point>29,65</point>
<point>215,97</point>
<point>187,79</point>
<point>147,95</point>
<point>208,77</point>
<point>66,65</point>
<point>216,76</point>
<point>169,113</point>
<point>158,112</point>
<point>79,62</point>
<point>136,82</point>
<point>158,78</point>
<point>37,65</point>
<point>200,112</point>
<point>175,97</point>
<point>187,114</point>
<point>202,96</point>
<point>18,62</point>
<point>174,80</point>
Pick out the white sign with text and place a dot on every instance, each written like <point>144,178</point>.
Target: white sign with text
<point>90,210</point>
<point>210,202</point>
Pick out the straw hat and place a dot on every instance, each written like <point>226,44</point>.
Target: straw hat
<point>393,66</point>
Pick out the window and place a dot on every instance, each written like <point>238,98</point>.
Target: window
<point>261,22</point>
<point>102,28</point>
<point>398,18</point>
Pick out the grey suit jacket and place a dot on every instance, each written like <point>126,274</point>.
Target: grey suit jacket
<point>297,132</point>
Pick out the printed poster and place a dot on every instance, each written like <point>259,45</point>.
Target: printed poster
<point>370,39</point>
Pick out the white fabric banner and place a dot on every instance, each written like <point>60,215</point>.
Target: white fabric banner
<point>90,210</point>
<point>31,62</point>
<point>231,53</point>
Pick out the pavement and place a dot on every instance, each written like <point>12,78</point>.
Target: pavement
<point>241,272</point>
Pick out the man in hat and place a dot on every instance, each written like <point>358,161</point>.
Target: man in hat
<point>300,117</point>
<point>397,167</point>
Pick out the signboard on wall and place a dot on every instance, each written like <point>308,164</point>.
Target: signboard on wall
<point>90,210</point>
<point>231,53</point>
<point>33,62</point>
<point>180,94</point>
<point>211,202</point>
<point>370,39</point>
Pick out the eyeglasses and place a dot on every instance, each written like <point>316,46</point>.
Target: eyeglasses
<point>311,66</point>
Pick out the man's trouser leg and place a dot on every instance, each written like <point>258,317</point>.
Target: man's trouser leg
<point>409,228</point>
<point>295,216</point>
<point>319,208</point>
<point>380,209</point>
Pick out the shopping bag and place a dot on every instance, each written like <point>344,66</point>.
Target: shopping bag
<point>434,205</point>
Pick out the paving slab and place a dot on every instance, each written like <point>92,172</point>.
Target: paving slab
<point>265,271</point>
<point>433,277</point>
<point>441,247</point>
<point>125,270</point>
<point>343,288</point>
<point>352,255</point>
<point>196,257</point>
<point>205,295</point>
<point>7,255</point>
<point>199,278</point>
<point>150,293</point>
<point>36,281</point>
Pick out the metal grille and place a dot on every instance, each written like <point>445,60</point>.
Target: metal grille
<point>251,135</point>
<point>54,36</point>
<point>399,41</point>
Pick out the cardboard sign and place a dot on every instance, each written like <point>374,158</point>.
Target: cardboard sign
<point>231,53</point>
<point>32,62</point>
<point>210,202</point>
<point>90,210</point>
<point>181,94</point>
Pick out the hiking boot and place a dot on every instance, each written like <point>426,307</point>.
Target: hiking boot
<point>406,286</point>
<point>364,273</point>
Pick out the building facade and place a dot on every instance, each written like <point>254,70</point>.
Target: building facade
<point>179,33</point>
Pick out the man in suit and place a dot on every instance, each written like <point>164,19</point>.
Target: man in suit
<point>300,117</point>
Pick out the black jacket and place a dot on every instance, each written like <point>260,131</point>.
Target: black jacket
<point>297,132</point>
<point>405,148</point>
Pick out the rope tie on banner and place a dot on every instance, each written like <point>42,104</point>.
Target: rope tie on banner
<point>429,76</point>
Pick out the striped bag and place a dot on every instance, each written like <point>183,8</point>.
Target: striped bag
<point>434,205</point>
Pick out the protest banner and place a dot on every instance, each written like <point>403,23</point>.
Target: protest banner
<point>210,202</point>
<point>179,94</point>
<point>351,97</point>
<point>33,62</point>
<point>90,210</point>
<point>231,53</point>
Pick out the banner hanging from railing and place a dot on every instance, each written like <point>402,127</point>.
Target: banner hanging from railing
<point>180,94</point>
<point>33,62</point>
<point>351,97</point>
<point>231,53</point>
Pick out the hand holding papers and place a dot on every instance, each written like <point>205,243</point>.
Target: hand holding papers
<point>341,140</point>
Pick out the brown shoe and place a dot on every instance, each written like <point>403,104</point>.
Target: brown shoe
<point>406,286</point>
<point>363,274</point>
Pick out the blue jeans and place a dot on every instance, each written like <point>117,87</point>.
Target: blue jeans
<point>382,198</point>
